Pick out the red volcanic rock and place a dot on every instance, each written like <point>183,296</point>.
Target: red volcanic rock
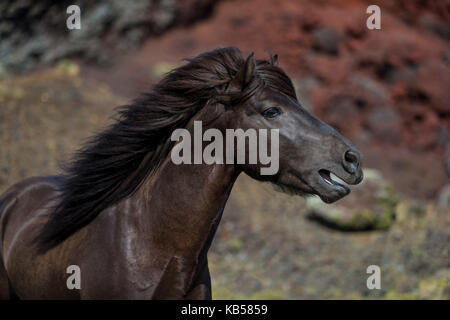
<point>385,124</point>
<point>434,84</point>
<point>387,87</point>
<point>391,83</point>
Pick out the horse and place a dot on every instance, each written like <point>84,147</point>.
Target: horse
<point>139,226</point>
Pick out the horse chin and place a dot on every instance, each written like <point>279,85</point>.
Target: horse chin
<point>324,184</point>
<point>293,184</point>
<point>290,190</point>
<point>332,197</point>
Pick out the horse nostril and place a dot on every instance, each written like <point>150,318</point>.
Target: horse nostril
<point>351,157</point>
<point>351,161</point>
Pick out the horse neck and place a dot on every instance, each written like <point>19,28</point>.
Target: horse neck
<point>184,205</point>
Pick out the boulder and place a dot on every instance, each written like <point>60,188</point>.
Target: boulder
<point>326,40</point>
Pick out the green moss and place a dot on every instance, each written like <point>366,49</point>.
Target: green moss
<point>394,295</point>
<point>221,293</point>
<point>385,219</point>
<point>430,288</point>
<point>362,219</point>
<point>435,288</point>
<point>417,251</point>
<point>263,295</point>
<point>13,93</point>
<point>309,290</point>
<point>366,219</point>
<point>161,68</point>
<point>235,245</point>
<point>333,293</point>
<point>388,200</point>
<point>68,67</point>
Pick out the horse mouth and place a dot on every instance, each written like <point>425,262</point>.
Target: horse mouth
<point>325,183</point>
<point>326,176</point>
<point>332,190</point>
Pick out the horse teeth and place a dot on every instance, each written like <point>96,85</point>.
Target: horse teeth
<point>336,179</point>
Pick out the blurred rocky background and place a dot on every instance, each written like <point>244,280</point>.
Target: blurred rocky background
<point>387,90</point>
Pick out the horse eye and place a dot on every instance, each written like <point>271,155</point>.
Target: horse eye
<point>271,112</point>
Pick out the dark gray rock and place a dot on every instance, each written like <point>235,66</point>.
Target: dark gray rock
<point>385,123</point>
<point>33,32</point>
<point>443,200</point>
<point>326,40</point>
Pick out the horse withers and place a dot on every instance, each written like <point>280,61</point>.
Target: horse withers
<point>136,224</point>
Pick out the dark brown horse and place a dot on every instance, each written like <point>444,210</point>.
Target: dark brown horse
<point>138,225</point>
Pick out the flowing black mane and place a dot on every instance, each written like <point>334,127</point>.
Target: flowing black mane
<point>114,163</point>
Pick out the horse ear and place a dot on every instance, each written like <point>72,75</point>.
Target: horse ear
<point>275,60</point>
<point>244,76</point>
